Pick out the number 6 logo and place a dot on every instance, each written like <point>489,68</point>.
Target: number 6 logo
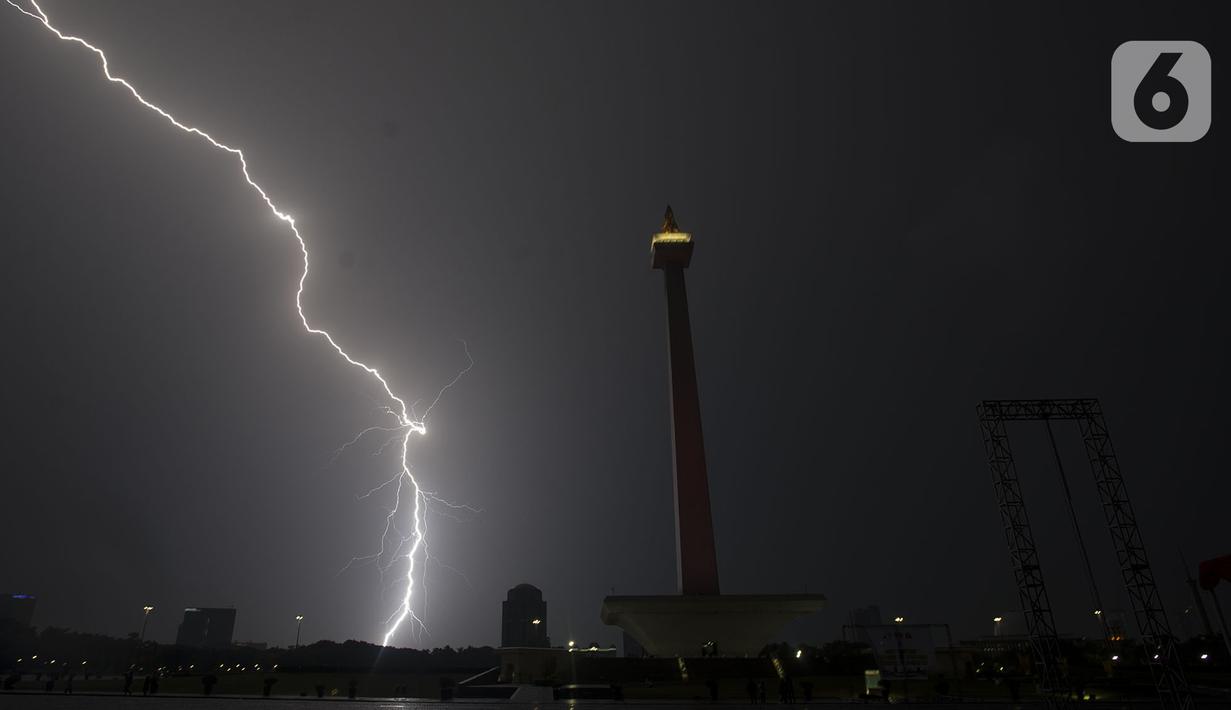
<point>1160,91</point>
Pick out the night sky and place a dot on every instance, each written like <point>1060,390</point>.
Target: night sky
<point>899,209</point>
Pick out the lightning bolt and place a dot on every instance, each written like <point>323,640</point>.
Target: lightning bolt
<point>406,422</point>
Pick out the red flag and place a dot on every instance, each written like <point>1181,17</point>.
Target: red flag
<point>1210,572</point>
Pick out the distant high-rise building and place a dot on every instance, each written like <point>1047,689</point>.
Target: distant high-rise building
<point>206,628</point>
<point>17,607</point>
<point>524,618</point>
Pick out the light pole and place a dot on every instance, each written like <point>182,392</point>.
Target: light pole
<point>298,626</point>
<point>146,620</point>
<point>997,620</point>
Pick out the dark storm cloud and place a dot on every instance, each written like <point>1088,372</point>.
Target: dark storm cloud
<point>900,209</point>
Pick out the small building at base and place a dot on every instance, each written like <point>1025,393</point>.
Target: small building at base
<point>521,664</point>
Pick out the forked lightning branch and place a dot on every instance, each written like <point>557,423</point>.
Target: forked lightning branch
<point>398,544</point>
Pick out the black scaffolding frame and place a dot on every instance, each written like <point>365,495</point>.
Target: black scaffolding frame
<point>1161,655</point>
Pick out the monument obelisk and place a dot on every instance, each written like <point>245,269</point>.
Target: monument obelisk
<point>697,563</point>
<point>698,620</point>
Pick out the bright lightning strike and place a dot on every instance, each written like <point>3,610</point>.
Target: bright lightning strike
<point>406,422</point>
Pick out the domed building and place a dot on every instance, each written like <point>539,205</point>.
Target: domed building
<point>524,618</point>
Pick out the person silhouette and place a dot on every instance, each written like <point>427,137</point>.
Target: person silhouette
<point>128,682</point>
<point>145,685</point>
<point>751,689</point>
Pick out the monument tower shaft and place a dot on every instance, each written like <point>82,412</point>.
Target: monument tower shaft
<point>699,619</point>
<point>694,526</point>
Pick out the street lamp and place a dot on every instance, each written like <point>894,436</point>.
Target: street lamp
<point>298,626</point>
<point>899,619</point>
<point>146,620</point>
<point>997,620</point>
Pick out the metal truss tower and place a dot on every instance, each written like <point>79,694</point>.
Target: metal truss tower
<point>1161,655</point>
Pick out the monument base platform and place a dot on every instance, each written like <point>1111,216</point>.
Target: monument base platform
<point>696,625</point>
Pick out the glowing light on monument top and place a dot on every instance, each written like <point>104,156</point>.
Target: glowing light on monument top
<point>670,231</point>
